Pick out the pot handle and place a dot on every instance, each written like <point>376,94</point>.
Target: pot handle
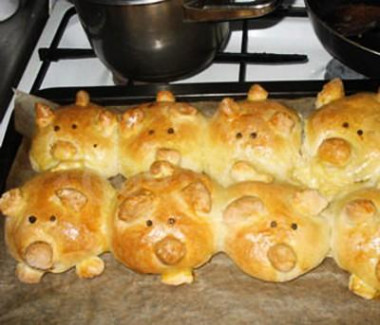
<point>217,10</point>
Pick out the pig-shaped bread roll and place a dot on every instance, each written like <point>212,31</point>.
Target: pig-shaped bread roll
<point>162,130</point>
<point>356,239</point>
<point>342,140</point>
<point>82,135</point>
<point>58,220</point>
<point>163,224</point>
<point>255,139</point>
<point>274,232</point>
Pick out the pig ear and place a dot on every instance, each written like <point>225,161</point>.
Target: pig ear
<point>165,96</point>
<point>132,117</point>
<point>257,93</point>
<point>229,107</point>
<point>72,198</point>
<point>282,122</point>
<point>198,196</point>
<point>44,115</point>
<point>82,98</point>
<point>10,202</point>
<point>359,210</point>
<point>136,206</point>
<point>106,119</point>
<point>243,208</point>
<point>331,91</point>
<point>309,202</point>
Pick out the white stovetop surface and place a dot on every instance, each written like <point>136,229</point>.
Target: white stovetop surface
<point>290,36</point>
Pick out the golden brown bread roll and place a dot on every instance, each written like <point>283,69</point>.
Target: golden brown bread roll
<point>254,139</point>
<point>274,232</point>
<point>355,239</point>
<point>164,223</point>
<point>163,130</point>
<point>58,220</point>
<point>82,135</point>
<point>341,146</point>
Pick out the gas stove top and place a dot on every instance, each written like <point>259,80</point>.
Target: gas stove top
<point>283,45</point>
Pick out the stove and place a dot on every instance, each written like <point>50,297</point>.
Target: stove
<point>276,50</point>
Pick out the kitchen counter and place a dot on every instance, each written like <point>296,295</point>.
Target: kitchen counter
<point>18,36</point>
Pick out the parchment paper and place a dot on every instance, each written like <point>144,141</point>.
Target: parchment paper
<point>220,294</point>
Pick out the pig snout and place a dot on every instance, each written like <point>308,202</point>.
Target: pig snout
<point>282,257</point>
<point>39,255</point>
<point>335,151</point>
<point>63,150</point>
<point>170,250</point>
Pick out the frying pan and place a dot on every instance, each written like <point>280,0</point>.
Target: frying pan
<point>350,31</point>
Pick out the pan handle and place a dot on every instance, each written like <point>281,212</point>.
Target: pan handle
<point>219,10</point>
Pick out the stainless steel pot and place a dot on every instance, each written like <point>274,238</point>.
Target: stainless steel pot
<point>160,40</point>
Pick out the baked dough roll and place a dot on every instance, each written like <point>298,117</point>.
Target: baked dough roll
<point>342,140</point>
<point>356,237</point>
<point>255,139</point>
<point>274,232</point>
<point>56,221</point>
<point>82,135</point>
<point>162,130</point>
<point>164,223</point>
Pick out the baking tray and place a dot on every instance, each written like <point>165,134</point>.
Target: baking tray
<point>221,292</point>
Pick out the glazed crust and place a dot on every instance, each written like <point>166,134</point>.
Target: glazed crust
<point>164,223</point>
<point>58,220</point>
<point>341,145</point>
<point>273,231</point>
<point>162,130</point>
<point>355,222</point>
<point>82,135</point>
<point>254,139</point>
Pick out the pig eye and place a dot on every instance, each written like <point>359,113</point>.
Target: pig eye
<point>238,135</point>
<point>170,131</point>
<point>74,126</point>
<point>56,128</point>
<point>253,135</point>
<point>273,224</point>
<point>294,226</point>
<point>345,125</point>
<point>151,132</point>
<point>171,221</point>
<point>95,145</point>
<point>359,132</point>
<point>32,219</point>
<point>149,223</point>
<point>53,218</point>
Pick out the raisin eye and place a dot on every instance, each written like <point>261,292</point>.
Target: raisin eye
<point>360,132</point>
<point>32,219</point>
<point>151,132</point>
<point>253,135</point>
<point>170,130</point>
<point>239,135</point>
<point>294,226</point>
<point>149,223</point>
<point>273,224</point>
<point>171,221</point>
<point>74,126</point>
<point>56,128</point>
<point>53,218</point>
<point>95,145</point>
<point>345,125</point>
